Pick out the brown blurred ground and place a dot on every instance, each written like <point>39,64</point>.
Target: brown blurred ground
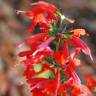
<point>12,32</point>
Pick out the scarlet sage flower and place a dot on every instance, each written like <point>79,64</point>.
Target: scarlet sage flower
<point>37,57</point>
<point>62,56</point>
<point>42,13</point>
<point>37,37</point>
<point>48,87</point>
<point>74,62</point>
<point>71,74</point>
<point>75,41</point>
<point>37,47</point>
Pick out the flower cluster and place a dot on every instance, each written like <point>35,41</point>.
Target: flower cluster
<point>52,56</point>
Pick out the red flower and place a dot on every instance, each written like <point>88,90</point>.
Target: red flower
<point>37,57</point>
<point>74,62</point>
<point>37,46</point>
<point>47,86</point>
<point>71,74</point>
<point>61,56</point>
<point>75,41</point>
<point>42,13</point>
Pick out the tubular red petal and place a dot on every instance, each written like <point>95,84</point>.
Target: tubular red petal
<point>25,53</point>
<point>71,73</point>
<point>57,82</point>
<point>68,84</point>
<point>74,53</point>
<point>34,38</point>
<point>46,43</point>
<point>65,50</point>
<point>33,24</point>
<point>57,56</point>
<point>45,6</point>
<point>75,41</point>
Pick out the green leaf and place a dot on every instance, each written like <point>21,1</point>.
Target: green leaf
<point>51,59</point>
<point>68,34</point>
<point>60,20</point>
<point>53,25</point>
<point>37,67</point>
<point>45,74</point>
<point>61,16</point>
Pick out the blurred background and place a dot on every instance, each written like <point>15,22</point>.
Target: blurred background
<point>13,31</point>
